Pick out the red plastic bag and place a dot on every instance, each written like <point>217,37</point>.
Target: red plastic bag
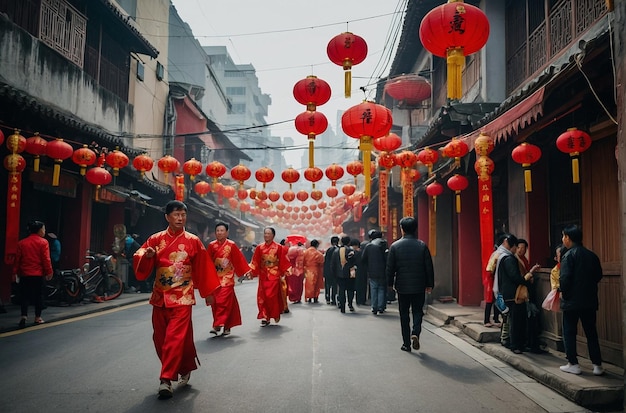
<point>552,302</point>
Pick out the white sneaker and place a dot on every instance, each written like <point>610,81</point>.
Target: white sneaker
<point>165,390</point>
<point>184,380</point>
<point>571,368</point>
<point>598,370</point>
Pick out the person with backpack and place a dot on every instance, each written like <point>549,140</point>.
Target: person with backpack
<point>373,261</point>
<point>343,263</point>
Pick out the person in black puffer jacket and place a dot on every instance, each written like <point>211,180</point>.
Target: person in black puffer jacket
<point>410,271</point>
<point>373,261</point>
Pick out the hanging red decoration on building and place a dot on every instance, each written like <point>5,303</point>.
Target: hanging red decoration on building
<point>456,149</point>
<point>264,175</point>
<point>59,151</point>
<point>99,176</point>
<point>84,157</point>
<point>334,173</point>
<point>347,50</point>
<point>15,164</point>
<point>574,142</point>
<point>312,92</point>
<point>453,31</point>
<point>434,190</point>
<point>117,160</point>
<point>179,188</point>
<point>428,157</point>
<point>143,163</point>
<point>387,143</point>
<point>240,173</point>
<point>202,188</point>
<point>355,168</point>
<point>366,121</point>
<point>458,183</point>
<point>526,154</point>
<point>290,176</point>
<point>484,166</point>
<point>16,143</point>
<point>36,146</point>
<point>192,167</point>
<point>215,170</point>
<point>408,90</point>
<point>168,164</point>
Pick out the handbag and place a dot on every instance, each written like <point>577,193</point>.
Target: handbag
<point>552,302</point>
<point>521,294</point>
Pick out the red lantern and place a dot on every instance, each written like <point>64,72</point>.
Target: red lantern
<point>36,146</point>
<point>574,141</point>
<point>143,163</point>
<point>354,168</point>
<point>167,165</point>
<point>316,195</point>
<point>456,149</point>
<point>409,89</point>
<point>334,172</point>
<point>202,188</point>
<point>289,196</point>
<point>16,143</point>
<point>192,168</point>
<point>458,183</point>
<point>311,92</point>
<point>347,50</point>
<point>348,189</point>
<point>414,175</point>
<point>526,154</point>
<point>261,196</point>
<point>406,159</point>
<point>240,173</point>
<point>273,196</point>
<point>228,191</point>
<point>58,150</point>
<point>387,143</point>
<point>264,175</point>
<point>215,170</point>
<point>290,176</point>
<point>454,30</point>
<point>242,194</point>
<point>484,167</point>
<point>302,195</point>
<point>386,160</point>
<point>98,176</point>
<point>435,189</point>
<point>84,157</point>
<point>14,163</point>
<point>244,206</point>
<point>366,122</point>
<point>332,192</point>
<point>233,203</point>
<point>313,174</point>
<point>117,160</point>
<point>428,157</point>
<point>1,137</point>
<point>483,145</point>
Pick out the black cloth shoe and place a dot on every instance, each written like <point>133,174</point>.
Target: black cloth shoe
<point>405,348</point>
<point>22,323</point>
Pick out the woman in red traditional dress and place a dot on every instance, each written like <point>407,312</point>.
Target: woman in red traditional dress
<point>313,262</point>
<point>295,280</point>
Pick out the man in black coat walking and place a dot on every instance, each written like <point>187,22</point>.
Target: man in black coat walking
<point>330,283</point>
<point>410,271</point>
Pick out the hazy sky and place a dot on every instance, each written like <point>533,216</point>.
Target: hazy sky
<point>285,40</point>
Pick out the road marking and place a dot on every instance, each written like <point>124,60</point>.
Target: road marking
<point>72,319</point>
<point>545,397</point>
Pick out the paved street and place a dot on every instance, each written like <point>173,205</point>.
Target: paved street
<point>315,360</point>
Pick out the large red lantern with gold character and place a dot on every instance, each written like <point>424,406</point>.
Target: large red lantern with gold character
<point>240,173</point>
<point>264,175</point>
<point>453,31</point>
<point>84,157</point>
<point>408,90</point>
<point>366,121</point>
<point>59,151</point>
<point>290,176</point>
<point>311,124</point>
<point>334,173</point>
<point>99,176</point>
<point>167,165</point>
<point>215,170</point>
<point>574,141</point>
<point>428,157</point>
<point>117,160</point>
<point>456,149</point>
<point>346,50</point>
<point>36,146</point>
<point>192,167</point>
<point>143,163</point>
<point>526,154</point>
<point>202,188</point>
<point>312,92</point>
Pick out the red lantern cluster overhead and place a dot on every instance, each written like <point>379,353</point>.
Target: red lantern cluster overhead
<point>409,90</point>
<point>117,160</point>
<point>59,151</point>
<point>526,154</point>
<point>143,163</point>
<point>84,157</point>
<point>311,92</point>
<point>36,146</point>
<point>366,121</point>
<point>453,31</point>
<point>574,141</point>
<point>192,167</point>
<point>167,165</point>
<point>347,50</point>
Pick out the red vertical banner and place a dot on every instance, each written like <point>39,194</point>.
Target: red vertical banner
<point>383,206</point>
<point>484,168</point>
<point>14,196</point>
<point>180,187</point>
<point>407,193</point>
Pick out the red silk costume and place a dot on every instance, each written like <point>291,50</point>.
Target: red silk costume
<point>228,260</point>
<point>313,262</point>
<point>181,264</point>
<point>269,263</point>
<point>295,280</point>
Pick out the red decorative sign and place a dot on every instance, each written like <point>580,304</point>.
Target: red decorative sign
<point>14,197</point>
<point>383,207</point>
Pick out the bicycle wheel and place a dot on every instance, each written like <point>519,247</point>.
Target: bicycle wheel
<point>74,289</point>
<point>113,287</point>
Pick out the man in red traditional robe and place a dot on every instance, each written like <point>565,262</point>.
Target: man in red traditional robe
<point>228,260</point>
<point>181,264</point>
<point>270,264</point>
<point>313,262</point>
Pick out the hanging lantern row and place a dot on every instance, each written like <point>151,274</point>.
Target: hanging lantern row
<point>526,154</point>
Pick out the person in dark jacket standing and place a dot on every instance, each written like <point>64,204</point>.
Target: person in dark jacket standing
<point>373,261</point>
<point>343,263</point>
<point>361,278</point>
<point>330,283</point>
<point>580,274</point>
<point>410,271</point>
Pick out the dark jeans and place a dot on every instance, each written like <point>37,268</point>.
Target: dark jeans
<point>30,292</point>
<point>346,287</point>
<point>496,313</point>
<point>361,288</point>
<point>517,325</point>
<point>330,288</point>
<point>570,325</point>
<point>415,304</point>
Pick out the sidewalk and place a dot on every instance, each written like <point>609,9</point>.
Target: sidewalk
<point>601,393</point>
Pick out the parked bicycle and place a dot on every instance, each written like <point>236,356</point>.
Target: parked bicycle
<point>64,287</point>
<point>98,279</point>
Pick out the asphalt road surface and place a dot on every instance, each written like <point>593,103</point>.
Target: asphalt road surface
<point>315,360</point>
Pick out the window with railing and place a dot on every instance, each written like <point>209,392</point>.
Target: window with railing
<point>64,29</point>
<point>533,40</point>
